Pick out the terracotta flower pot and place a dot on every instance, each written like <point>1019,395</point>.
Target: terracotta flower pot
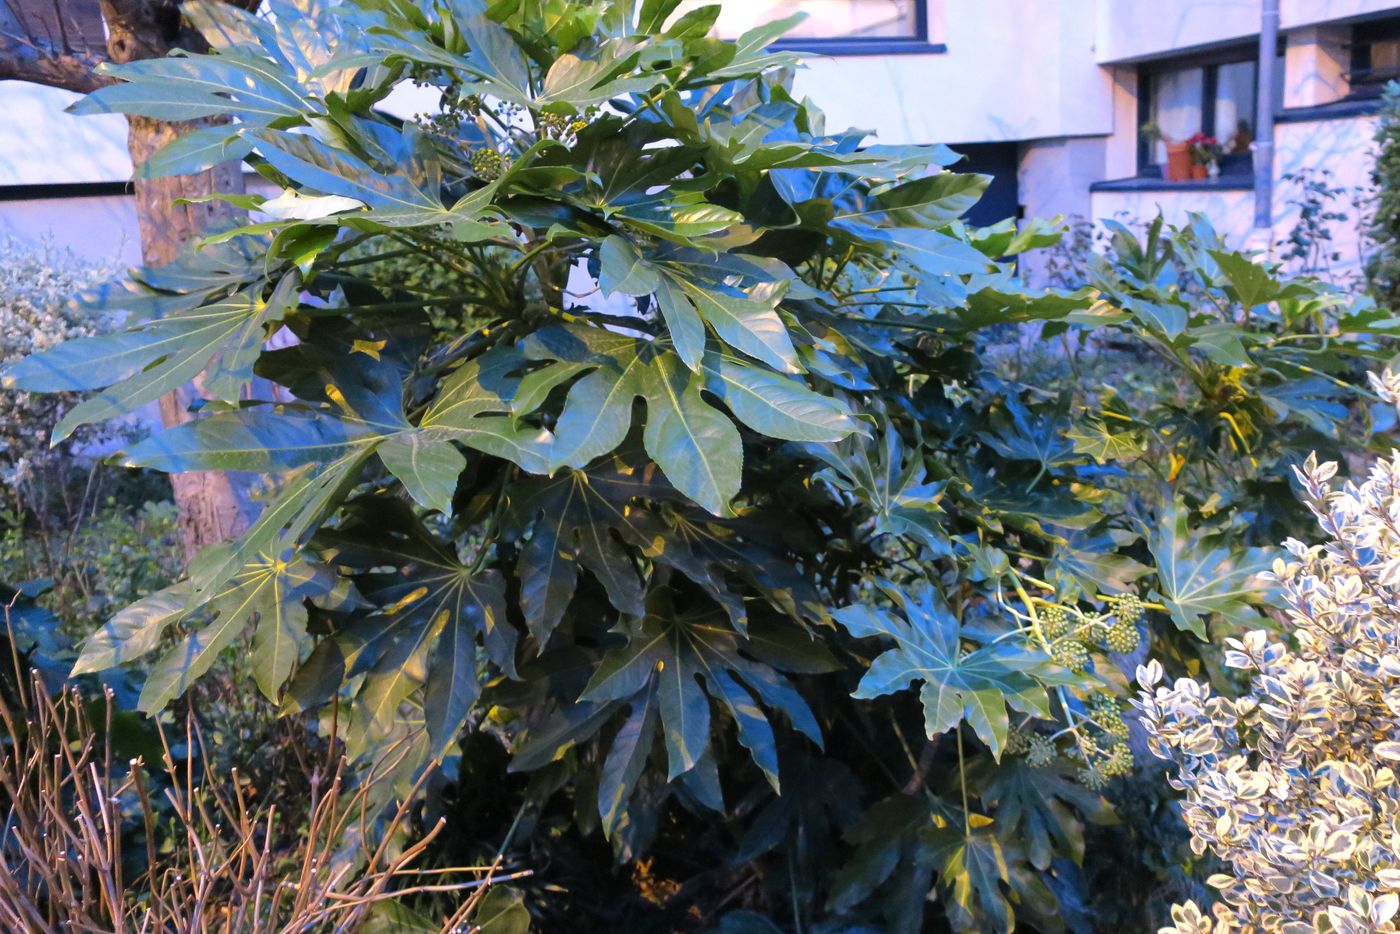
<point>1199,170</point>
<point>1178,167</point>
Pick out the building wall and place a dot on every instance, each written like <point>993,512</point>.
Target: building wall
<point>1013,70</point>
<point>1345,151</point>
<point>43,145</point>
<point>1342,149</point>
<point>1231,212</point>
<point>1137,29</point>
<point>98,228</point>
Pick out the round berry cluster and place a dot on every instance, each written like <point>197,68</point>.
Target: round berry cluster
<point>1054,621</point>
<point>1070,653</point>
<point>1122,635</point>
<point>1107,713</point>
<point>487,164</point>
<point>1100,766</point>
<point>562,126</point>
<point>1040,751</point>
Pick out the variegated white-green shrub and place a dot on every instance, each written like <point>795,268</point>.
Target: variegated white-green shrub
<point>1293,785</point>
<point>37,281</point>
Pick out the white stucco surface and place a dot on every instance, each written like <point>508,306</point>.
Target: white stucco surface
<point>1344,149</point>
<point>98,228</point>
<point>45,146</point>
<point>1135,29</point>
<point>1013,70</point>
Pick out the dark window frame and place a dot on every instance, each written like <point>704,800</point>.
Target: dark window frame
<point>1365,81</point>
<point>917,44</point>
<point>1210,64</point>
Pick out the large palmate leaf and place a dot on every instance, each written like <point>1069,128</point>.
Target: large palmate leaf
<point>220,341</point>
<point>894,487</point>
<point>271,592</point>
<point>695,444</point>
<point>1198,581</point>
<point>1040,439</point>
<point>191,87</point>
<point>972,870</point>
<point>687,296</point>
<point>668,653</point>
<point>1039,810</point>
<point>959,684</point>
<point>433,611</point>
<point>1090,564</point>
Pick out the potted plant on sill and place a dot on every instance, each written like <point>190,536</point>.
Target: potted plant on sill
<point>1205,156</point>
<point>1178,164</point>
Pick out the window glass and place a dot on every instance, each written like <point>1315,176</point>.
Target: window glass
<point>1234,106</point>
<point>1385,56</point>
<point>826,19</point>
<point>1215,100</point>
<point>1375,56</point>
<point>1176,106</point>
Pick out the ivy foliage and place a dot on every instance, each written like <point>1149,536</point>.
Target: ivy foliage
<point>734,463</point>
<point>1383,265</point>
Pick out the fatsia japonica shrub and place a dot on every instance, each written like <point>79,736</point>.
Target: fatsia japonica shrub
<point>717,540</point>
<point>1292,785</point>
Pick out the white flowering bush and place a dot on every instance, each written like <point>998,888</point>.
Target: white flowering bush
<point>37,281</point>
<point>1293,785</point>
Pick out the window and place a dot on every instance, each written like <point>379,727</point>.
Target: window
<point>834,26</point>
<point>1214,97</point>
<point>1375,57</point>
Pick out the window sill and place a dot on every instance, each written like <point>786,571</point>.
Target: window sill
<point>1222,183</point>
<point>843,47</point>
<point>1337,110</point>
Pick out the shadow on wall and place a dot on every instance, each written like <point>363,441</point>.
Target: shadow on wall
<point>1340,154</point>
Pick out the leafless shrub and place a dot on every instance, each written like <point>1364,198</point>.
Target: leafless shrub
<point>214,860</point>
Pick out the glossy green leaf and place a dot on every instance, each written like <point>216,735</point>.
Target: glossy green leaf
<point>428,469</point>
<point>624,270</point>
<point>1198,581</point>
<point>697,447</point>
<point>748,326</point>
<point>774,405</point>
<point>976,685</point>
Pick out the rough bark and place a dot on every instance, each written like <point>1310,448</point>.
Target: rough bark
<point>213,507</point>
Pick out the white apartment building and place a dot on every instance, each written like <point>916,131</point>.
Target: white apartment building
<point>1070,104</point>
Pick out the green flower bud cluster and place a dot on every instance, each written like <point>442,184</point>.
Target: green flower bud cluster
<point>1054,621</point>
<point>487,164</point>
<point>1108,714</point>
<point>562,126</point>
<point>1101,765</point>
<point>1122,635</point>
<point>1070,653</point>
<point>1128,608</point>
<point>1041,751</point>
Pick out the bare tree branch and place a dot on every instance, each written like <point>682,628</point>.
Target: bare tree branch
<point>28,57</point>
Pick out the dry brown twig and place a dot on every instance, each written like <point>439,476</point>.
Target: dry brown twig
<point>62,846</point>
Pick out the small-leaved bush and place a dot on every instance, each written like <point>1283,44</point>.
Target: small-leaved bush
<point>37,283</point>
<point>1292,785</point>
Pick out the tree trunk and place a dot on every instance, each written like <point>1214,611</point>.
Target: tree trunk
<point>214,507</point>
